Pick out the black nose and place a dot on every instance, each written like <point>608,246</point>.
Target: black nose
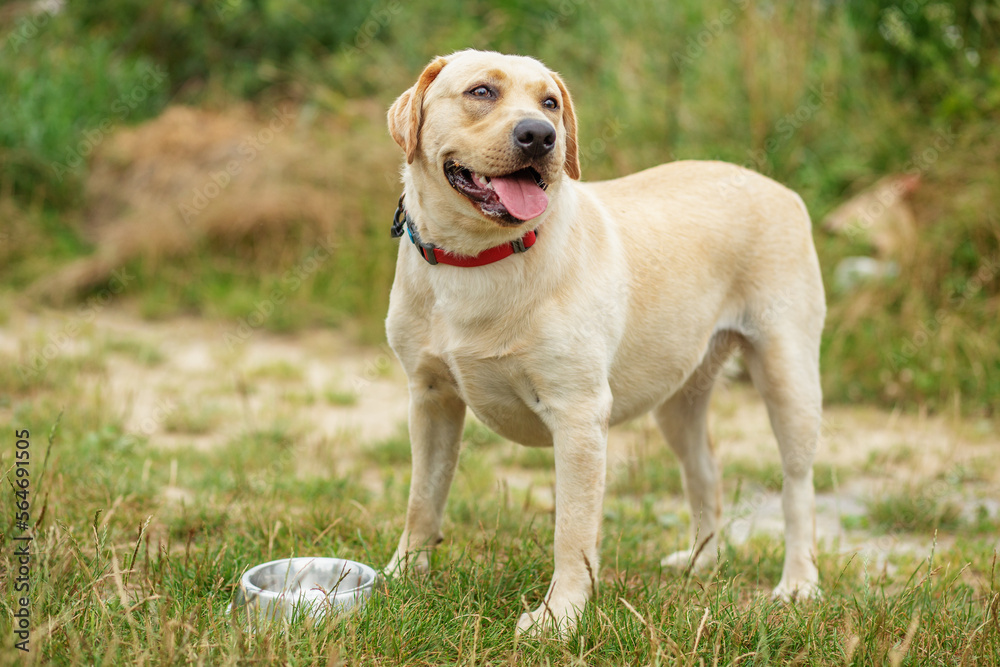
<point>535,137</point>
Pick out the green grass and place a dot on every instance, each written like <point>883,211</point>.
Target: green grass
<point>83,89</point>
<point>295,397</point>
<point>915,508</point>
<point>146,354</point>
<point>476,434</point>
<point>669,81</point>
<point>193,418</point>
<point>898,454</point>
<point>276,370</point>
<point>130,576</point>
<point>533,458</point>
<point>826,477</point>
<point>139,549</point>
<point>650,474</point>
<point>38,369</point>
<point>394,450</point>
<point>351,286</point>
<point>341,397</point>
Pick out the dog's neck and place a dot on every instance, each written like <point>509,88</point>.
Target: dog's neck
<point>446,220</point>
<point>402,223</point>
<point>531,275</point>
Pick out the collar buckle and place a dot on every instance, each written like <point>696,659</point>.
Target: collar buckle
<point>426,249</point>
<point>399,218</point>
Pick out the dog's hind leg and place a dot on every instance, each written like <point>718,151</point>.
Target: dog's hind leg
<point>683,419</point>
<point>784,367</point>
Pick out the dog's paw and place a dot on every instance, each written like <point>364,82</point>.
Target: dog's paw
<point>544,623</point>
<point>681,560</point>
<point>410,562</point>
<point>796,591</point>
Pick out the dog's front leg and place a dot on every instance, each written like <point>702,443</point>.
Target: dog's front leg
<point>581,460</point>
<point>437,414</point>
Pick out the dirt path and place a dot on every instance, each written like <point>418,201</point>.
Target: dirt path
<point>190,382</point>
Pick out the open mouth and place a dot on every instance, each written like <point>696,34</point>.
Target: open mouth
<point>513,197</point>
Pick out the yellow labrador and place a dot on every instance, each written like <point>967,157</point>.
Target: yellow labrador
<point>555,309</point>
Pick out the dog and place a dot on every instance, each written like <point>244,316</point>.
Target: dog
<point>555,308</point>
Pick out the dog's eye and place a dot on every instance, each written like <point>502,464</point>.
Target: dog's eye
<point>550,104</point>
<point>482,91</point>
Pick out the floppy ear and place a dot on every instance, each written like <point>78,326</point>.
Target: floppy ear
<point>572,164</point>
<point>406,113</point>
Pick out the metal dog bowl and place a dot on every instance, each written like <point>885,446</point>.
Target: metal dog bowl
<point>296,587</point>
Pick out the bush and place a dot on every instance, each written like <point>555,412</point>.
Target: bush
<point>245,45</point>
<point>946,55</point>
<point>64,93</point>
<point>824,97</point>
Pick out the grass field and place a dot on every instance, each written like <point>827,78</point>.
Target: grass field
<point>178,462</point>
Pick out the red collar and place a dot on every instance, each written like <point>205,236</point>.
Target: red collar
<point>435,255</point>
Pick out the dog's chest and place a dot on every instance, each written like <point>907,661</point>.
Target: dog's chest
<point>500,392</point>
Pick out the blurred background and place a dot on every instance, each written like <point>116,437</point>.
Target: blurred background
<point>190,157</point>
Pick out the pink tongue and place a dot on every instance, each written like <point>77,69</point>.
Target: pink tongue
<point>520,195</point>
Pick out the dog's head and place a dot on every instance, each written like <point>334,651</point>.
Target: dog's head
<point>488,137</point>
